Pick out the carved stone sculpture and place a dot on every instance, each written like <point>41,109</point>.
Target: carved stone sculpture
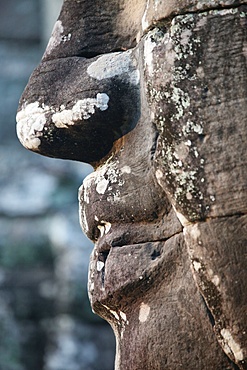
<point>153,95</point>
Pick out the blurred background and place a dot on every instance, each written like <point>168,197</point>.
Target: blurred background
<point>45,317</point>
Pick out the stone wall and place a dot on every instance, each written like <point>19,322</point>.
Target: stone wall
<point>45,318</point>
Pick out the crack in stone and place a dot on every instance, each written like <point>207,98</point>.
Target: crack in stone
<point>165,22</point>
<point>212,322</point>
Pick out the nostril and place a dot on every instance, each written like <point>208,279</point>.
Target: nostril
<point>155,254</point>
<point>87,54</point>
<point>104,255</point>
<point>92,54</point>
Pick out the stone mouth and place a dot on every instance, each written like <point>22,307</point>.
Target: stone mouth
<point>127,239</point>
<point>122,270</point>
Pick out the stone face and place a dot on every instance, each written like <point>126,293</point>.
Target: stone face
<point>158,108</point>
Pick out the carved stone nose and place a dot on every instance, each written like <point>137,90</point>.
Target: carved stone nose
<point>75,107</point>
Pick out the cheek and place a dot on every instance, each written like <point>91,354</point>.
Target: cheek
<point>201,154</point>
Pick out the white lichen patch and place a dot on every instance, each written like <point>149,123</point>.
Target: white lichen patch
<point>180,157</point>
<point>84,199</point>
<point>144,312</point>
<point>125,169</point>
<point>56,37</point>
<point>186,183</point>
<point>182,35</point>
<point>107,226</point>
<point>109,179</point>
<point>211,276</point>
<point>230,346</point>
<point>182,218</point>
<point>181,44</point>
<point>200,72</point>
<point>114,64</point>
<point>215,280</point>
<point>100,265</point>
<point>144,18</point>
<point>181,151</point>
<point>185,37</point>
<point>121,322</point>
<point>91,275</point>
<point>66,37</point>
<point>134,77</point>
<point>197,265</point>
<point>195,232</point>
<point>189,196</point>
<point>102,185</point>
<point>84,189</point>
<point>223,12</point>
<point>83,218</point>
<point>31,120</point>
<point>201,268</point>
<point>106,180</point>
<point>159,175</point>
<point>183,178</point>
<point>149,46</point>
<point>191,127</point>
<point>104,227</point>
<point>101,229</point>
<point>181,101</point>
<point>156,4</point>
<point>123,316</point>
<point>114,313</point>
<point>82,110</point>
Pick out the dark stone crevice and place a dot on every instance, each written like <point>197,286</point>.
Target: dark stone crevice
<point>94,54</point>
<point>119,241</point>
<point>102,258</point>
<point>220,217</point>
<point>209,313</point>
<point>164,23</point>
<point>155,254</point>
<point>212,322</point>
